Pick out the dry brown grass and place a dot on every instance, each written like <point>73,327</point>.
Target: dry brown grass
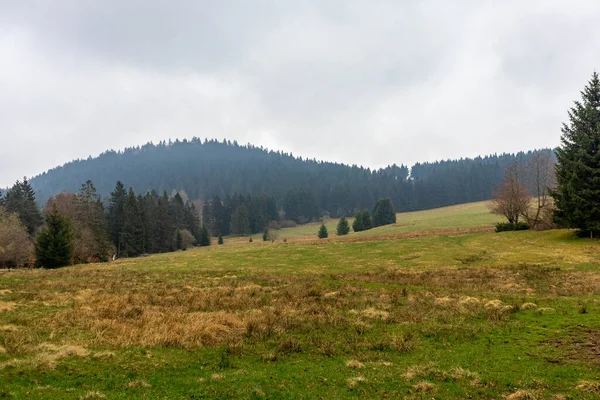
<point>589,387</point>
<point>523,394</point>
<point>424,387</point>
<point>355,364</point>
<point>357,380</point>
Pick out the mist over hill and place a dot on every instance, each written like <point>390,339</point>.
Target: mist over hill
<point>210,167</point>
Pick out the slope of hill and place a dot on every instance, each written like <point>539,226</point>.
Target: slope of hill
<point>479,315</point>
<point>204,169</point>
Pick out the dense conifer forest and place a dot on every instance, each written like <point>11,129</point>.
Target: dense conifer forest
<point>304,188</point>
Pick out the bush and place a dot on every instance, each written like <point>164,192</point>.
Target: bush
<point>507,226</point>
<point>220,239</point>
<point>362,221</point>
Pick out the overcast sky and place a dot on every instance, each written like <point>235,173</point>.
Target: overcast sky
<point>366,82</point>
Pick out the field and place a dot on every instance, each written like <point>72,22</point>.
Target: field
<point>437,306</point>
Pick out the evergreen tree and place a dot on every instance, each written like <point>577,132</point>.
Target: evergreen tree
<point>362,221</point>
<point>203,237</point>
<point>384,213</point>
<point>179,240</point>
<point>220,239</point>
<point>343,228</point>
<point>265,236</point>
<point>116,216</point>
<point>54,246</point>
<point>239,220</point>
<point>89,218</point>
<point>20,199</point>
<point>322,234</point>
<point>133,229</point>
<point>163,225</point>
<point>578,170</point>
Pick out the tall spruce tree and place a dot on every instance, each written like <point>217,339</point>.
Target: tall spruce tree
<point>342,227</point>
<point>131,240</point>
<point>54,246</point>
<point>239,220</point>
<point>384,213</point>
<point>203,238</point>
<point>116,216</point>
<point>20,199</point>
<point>577,194</point>
<point>89,214</point>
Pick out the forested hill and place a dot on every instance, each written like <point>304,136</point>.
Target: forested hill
<point>204,169</point>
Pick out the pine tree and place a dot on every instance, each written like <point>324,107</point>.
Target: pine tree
<point>265,236</point>
<point>203,237</point>
<point>89,216</point>
<point>362,221</point>
<point>116,214</point>
<point>577,194</point>
<point>179,240</point>
<point>342,227</point>
<point>20,199</point>
<point>220,239</point>
<point>384,213</point>
<point>54,247</point>
<point>239,220</point>
<point>131,240</point>
<point>322,234</point>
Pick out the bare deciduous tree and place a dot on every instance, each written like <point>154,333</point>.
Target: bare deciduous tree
<point>16,248</point>
<point>540,178</point>
<point>511,198</point>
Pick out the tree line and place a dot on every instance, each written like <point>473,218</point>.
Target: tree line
<point>305,188</point>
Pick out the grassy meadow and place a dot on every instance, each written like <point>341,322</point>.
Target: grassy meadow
<point>436,306</point>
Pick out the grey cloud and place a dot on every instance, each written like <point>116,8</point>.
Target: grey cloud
<point>361,82</point>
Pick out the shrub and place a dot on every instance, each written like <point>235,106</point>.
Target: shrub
<point>507,226</point>
<point>220,239</point>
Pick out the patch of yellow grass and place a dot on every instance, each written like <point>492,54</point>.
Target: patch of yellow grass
<point>5,291</point>
<point>7,306</point>
<point>374,313</point>
<point>8,328</point>
<point>589,387</point>
<point>528,306</point>
<point>92,395</point>
<point>546,310</point>
<point>522,394</point>
<point>357,380</point>
<point>355,364</point>
<point>217,377</point>
<point>139,384</point>
<point>424,387</point>
<point>49,354</point>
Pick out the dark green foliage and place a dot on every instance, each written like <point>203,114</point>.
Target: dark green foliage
<point>362,221</point>
<point>203,237</point>
<point>116,214</point>
<point>132,236</point>
<point>54,245</point>
<point>20,199</point>
<point>179,240</point>
<point>90,214</point>
<point>206,168</point>
<point>507,226</point>
<point>322,234</point>
<point>250,240</point>
<point>300,206</point>
<point>343,228</point>
<point>384,213</point>
<point>220,239</point>
<point>577,195</point>
<point>240,224</point>
<point>265,235</point>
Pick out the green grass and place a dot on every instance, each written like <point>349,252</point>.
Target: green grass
<point>428,308</point>
<point>453,217</point>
